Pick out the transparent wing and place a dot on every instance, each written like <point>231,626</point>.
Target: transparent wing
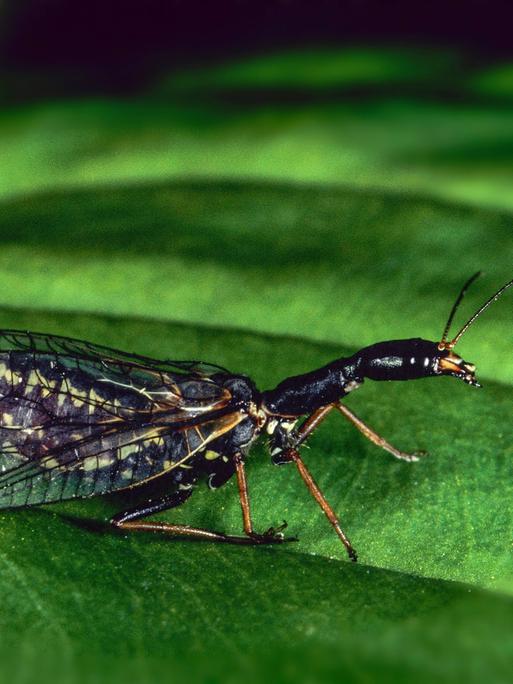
<point>78,364</point>
<point>80,349</point>
<point>89,461</point>
<point>77,419</point>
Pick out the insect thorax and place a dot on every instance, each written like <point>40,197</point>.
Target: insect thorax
<point>216,461</point>
<point>282,434</point>
<point>303,394</point>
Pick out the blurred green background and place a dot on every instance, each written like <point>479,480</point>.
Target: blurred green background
<point>268,201</point>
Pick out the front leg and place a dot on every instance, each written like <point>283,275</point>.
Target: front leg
<point>377,439</point>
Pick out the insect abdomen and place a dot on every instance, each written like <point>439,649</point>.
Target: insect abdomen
<point>56,479</point>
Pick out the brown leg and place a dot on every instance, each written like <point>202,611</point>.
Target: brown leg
<point>183,531</point>
<point>243,495</point>
<point>319,497</point>
<point>312,423</point>
<point>131,521</point>
<point>375,438</point>
<point>272,535</point>
<point>306,429</point>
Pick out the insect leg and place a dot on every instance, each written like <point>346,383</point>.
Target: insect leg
<point>312,423</point>
<point>319,497</point>
<point>148,508</point>
<point>130,521</point>
<point>306,429</point>
<point>272,535</point>
<point>243,495</point>
<point>280,453</point>
<point>377,439</point>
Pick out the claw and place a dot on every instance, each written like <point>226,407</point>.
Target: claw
<point>352,554</point>
<point>421,454</point>
<point>274,535</point>
<point>417,455</point>
<point>276,531</point>
<point>411,458</point>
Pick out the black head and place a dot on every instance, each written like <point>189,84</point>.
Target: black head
<point>412,359</point>
<point>417,358</point>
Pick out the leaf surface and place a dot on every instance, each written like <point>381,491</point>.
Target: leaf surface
<point>271,240</point>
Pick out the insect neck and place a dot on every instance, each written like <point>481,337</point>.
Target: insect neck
<point>302,394</point>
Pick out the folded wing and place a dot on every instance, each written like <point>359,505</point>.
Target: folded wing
<point>78,420</point>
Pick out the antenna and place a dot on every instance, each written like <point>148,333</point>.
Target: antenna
<point>443,342</point>
<point>467,325</point>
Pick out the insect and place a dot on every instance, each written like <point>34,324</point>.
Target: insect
<point>78,420</point>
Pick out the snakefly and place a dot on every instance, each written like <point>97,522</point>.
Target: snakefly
<point>77,420</point>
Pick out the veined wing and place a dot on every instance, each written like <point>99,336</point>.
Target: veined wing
<point>77,416</point>
<point>91,461</point>
<point>86,374</point>
<point>43,343</point>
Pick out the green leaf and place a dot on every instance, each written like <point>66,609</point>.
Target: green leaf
<point>271,240</point>
<point>144,604</point>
